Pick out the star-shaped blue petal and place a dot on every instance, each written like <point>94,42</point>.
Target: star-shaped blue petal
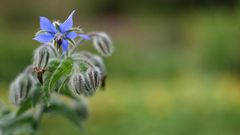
<point>71,35</point>
<point>44,37</point>
<point>46,25</point>
<point>68,24</point>
<point>65,46</point>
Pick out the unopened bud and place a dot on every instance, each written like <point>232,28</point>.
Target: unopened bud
<point>83,62</point>
<point>89,89</point>
<point>29,69</point>
<point>42,56</point>
<point>103,44</point>
<point>85,84</point>
<point>20,87</point>
<point>96,60</point>
<point>93,75</point>
<point>76,83</point>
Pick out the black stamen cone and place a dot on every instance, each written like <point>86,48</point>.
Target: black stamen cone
<point>59,41</point>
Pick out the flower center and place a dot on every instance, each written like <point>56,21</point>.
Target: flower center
<point>59,39</point>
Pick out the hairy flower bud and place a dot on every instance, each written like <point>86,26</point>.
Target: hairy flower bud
<point>29,69</point>
<point>76,83</point>
<point>96,60</point>
<point>20,88</point>
<point>89,90</point>
<point>42,56</point>
<point>103,44</point>
<point>85,84</point>
<point>93,75</point>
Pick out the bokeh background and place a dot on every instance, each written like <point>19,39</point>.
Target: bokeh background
<point>176,69</point>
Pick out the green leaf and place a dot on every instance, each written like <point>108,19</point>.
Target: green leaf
<point>52,66</point>
<point>63,69</point>
<point>37,94</point>
<point>24,107</point>
<point>67,92</point>
<point>63,109</point>
<point>22,124</point>
<point>62,83</point>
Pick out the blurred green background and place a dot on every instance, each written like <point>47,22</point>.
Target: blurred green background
<point>175,71</point>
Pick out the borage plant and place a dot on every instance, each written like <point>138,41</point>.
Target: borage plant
<point>59,78</point>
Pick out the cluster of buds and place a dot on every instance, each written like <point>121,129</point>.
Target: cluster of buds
<point>85,83</point>
<point>58,68</point>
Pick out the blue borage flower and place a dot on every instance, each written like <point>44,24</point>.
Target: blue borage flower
<point>62,34</point>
